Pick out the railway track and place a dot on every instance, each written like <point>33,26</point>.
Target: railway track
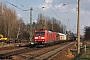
<point>7,55</point>
<point>49,54</point>
<point>38,54</point>
<point>11,46</point>
<point>27,53</point>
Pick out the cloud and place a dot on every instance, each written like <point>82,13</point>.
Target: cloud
<point>47,4</point>
<point>85,5</point>
<point>49,1</point>
<point>68,2</point>
<point>84,12</point>
<point>50,4</point>
<point>70,7</point>
<point>88,12</point>
<point>59,6</point>
<point>85,1</point>
<point>19,16</point>
<point>83,26</point>
<point>44,7</point>
<point>74,10</point>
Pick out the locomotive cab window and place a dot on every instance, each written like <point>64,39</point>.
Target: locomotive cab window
<point>40,33</point>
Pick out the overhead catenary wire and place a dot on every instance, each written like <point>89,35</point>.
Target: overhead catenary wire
<point>17,7</point>
<point>51,9</point>
<point>20,4</point>
<point>12,4</point>
<point>24,7</point>
<point>61,7</point>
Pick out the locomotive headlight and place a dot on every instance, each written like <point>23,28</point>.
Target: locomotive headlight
<point>36,37</point>
<point>42,38</point>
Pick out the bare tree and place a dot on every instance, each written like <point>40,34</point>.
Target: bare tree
<point>41,22</point>
<point>21,27</point>
<point>9,21</point>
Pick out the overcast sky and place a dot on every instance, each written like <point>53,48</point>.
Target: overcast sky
<point>63,10</point>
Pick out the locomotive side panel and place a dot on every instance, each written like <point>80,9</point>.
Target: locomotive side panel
<point>44,37</point>
<point>51,36</point>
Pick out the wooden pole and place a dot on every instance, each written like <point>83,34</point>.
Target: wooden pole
<point>78,29</point>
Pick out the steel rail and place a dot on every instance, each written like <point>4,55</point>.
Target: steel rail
<point>49,54</point>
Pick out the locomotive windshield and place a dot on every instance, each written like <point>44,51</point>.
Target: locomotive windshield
<point>40,33</point>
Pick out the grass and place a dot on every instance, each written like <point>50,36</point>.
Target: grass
<point>83,55</point>
<point>88,46</point>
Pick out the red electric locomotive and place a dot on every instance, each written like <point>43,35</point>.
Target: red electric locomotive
<point>44,37</point>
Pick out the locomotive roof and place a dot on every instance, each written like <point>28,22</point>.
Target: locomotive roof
<point>44,30</point>
<point>61,34</point>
